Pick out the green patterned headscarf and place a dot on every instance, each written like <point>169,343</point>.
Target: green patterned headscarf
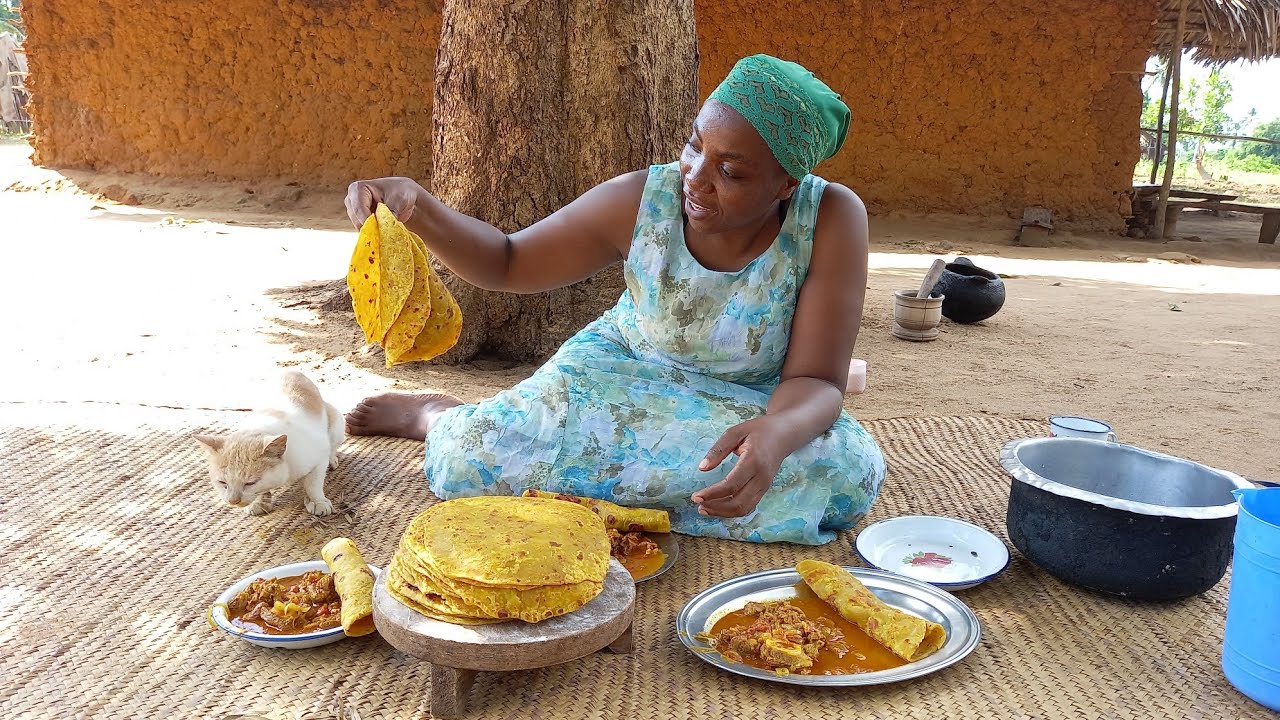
<point>801,119</point>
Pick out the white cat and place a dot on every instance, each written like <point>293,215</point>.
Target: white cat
<point>296,440</point>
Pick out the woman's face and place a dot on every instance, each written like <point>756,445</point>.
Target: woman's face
<point>731,178</point>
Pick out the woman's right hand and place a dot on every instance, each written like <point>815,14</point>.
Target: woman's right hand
<point>399,194</point>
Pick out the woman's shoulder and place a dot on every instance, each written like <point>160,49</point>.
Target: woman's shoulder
<point>618,195</point>
<point>839,199</point>
<point>842,218</point>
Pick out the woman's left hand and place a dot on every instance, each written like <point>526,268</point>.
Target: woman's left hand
<point>756,443</point>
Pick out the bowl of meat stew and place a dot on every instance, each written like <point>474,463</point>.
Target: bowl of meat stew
<point>292,606</point>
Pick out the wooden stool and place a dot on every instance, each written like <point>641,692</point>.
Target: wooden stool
<point>457,652</point>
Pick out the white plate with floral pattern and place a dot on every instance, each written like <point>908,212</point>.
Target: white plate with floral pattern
<point>944,552</point>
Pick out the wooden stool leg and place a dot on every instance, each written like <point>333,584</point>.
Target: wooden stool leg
<point>1270,228</point>
<point>621,646</point>
<point>450,690</point>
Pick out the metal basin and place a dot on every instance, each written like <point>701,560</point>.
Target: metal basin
<point>1119,519</point>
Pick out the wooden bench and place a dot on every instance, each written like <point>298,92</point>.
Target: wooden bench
<point>1270,215</point>
<point>1151,192</point>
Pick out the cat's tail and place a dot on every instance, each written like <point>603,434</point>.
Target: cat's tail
<point>302,394</point>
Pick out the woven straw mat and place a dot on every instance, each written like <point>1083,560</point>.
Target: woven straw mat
<point>116,545</point>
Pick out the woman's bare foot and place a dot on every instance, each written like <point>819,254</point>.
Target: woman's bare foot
<point>399,415</point>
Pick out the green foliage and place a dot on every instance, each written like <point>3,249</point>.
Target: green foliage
<point>1203,109</point>
<point>1252,163</point>
<point>1151,95</point>
<point>1270,153</point>
<point>10,20</point>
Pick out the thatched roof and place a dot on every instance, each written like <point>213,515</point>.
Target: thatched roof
<point>1220,31</point>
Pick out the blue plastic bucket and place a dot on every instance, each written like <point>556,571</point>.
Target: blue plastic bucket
<point>1251,645</point>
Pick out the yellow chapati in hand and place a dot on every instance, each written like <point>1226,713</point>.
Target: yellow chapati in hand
<point>399,300</point>
<point>380,276</point>
<point>443,326</point>
<point>907,636</point>
<point>408,326</point>
<point>354,583</point>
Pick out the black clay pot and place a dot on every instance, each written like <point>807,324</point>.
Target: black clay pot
<point>972,294</point>
<point>1118,519</point>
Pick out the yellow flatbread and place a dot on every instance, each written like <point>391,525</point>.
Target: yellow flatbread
<point>528,604</point>
<point>907,636</point>
<point>443,326</point>
<point>494,540</point>
<point>615,517</point>
<point>497,558</point>
<point>409,324</point>
<point>380,276</point>
<point>363,278</point>
<point>424,600</point>
<point>354,583</point>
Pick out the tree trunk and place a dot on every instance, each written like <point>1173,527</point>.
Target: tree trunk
<point>1205,175</point>
<point>535,103</point>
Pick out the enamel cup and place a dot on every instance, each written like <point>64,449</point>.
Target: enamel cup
<point>1080,427</point>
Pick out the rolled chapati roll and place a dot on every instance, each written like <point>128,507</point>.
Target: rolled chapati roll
<point>615,517</point>
<point>907,636</point>
<point>354,583</point>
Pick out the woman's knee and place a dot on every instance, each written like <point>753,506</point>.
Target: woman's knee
<point>856,470</point>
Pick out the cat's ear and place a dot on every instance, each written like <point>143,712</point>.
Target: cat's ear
<point>273,446</point>
<point>213,443</point>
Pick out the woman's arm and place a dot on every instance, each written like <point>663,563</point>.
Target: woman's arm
<point>811,394</point>
<point>827,319</point>
<point>570,245</point>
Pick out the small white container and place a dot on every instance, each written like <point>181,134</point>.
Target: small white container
<point>857,382</point>
<point>1080,427</point>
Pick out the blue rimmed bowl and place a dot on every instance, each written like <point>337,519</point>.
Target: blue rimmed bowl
<point>217,613</point>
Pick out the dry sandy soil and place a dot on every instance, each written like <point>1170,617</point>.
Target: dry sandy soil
<point>139,292</point>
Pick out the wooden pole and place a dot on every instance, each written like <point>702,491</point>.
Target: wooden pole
<point>1175,56</point>
<point>1217,136</point>
<point>1164,97</point>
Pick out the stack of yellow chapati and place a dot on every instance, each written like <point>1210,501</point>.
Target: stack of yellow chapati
<point>481,560</point>
<point>399,300</point>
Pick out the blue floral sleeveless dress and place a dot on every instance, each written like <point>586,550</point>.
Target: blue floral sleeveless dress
<point>629,406</point>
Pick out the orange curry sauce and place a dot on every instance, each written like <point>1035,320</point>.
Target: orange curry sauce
<point>865,654</point>
<point>637,551</point>
<point>642,566</point>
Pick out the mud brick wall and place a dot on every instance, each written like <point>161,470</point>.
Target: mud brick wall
<point>316,91</point>
<point>964,106</point>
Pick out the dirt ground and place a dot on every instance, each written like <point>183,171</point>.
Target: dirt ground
<point>140,292</point>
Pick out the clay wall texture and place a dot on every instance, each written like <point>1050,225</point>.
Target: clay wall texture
<point>964,106</point>
<point>316,91</point>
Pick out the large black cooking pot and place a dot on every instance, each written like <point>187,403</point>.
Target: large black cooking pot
<point>1119,519</point>
<point>972,293</point>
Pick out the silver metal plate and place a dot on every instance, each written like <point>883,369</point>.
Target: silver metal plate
<point>670,547</point>
<point>913,596</point>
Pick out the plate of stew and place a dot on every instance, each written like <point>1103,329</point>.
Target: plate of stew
<point>645,555</point>
<point>292,606</point>
<point>779,601</point>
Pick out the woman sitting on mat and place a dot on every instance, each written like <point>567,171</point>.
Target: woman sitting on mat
<point>715,386</point>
